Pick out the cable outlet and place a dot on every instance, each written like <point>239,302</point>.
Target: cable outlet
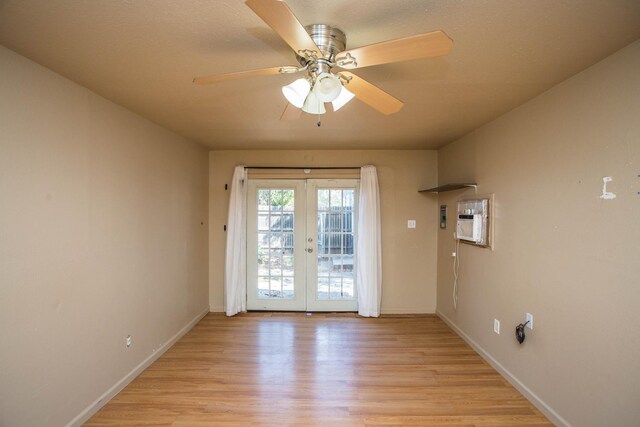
<point>530,320</point>
<point>129,340</point>
<point>496,326</point>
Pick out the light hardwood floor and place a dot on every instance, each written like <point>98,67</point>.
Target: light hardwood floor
<point>282,369</point>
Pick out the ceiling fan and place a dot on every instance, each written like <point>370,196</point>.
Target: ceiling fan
<point>320,51</point>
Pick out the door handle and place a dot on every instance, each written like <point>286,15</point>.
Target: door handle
<point>309,250</point>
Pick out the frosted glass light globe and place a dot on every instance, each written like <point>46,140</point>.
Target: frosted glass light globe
<point>345,96</point>
<point>327,87</point>
<point>297,92</point>
<point>313,105</point>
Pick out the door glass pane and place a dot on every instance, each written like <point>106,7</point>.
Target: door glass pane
<point>336,198</point>
<point>323,199</point>
<point>276,222</point>
<point>287,287</point>
<point>288,197</point>
<point>335,288</point>
<point>335,256</point>
<point>323,288</point>
<point>275,263</point>
<point>275,243</point>
<point>275,287</point>
<point>263,262</point>
<point>287,222</point>
<point>287,240</point>
<point>263,241</point>
<point>324,266</point>
<point>263,222</point>
<point>347,285</point>
<point>347,244</point>
<point>263,200</point>
<point>323,243</point>
<point>263,285</point>
<point>287,266</point>
<point>348,197</point>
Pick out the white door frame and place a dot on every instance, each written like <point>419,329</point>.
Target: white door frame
<point>305,252</point>
<point>313,302</point>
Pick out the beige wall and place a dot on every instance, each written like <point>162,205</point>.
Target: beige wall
<point>562,253</point>
<point>409,255</point>
<point>100,237</point>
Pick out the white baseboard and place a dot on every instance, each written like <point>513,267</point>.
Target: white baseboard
<point>553,416</point>
<point>217,309</point>
<point>405,311</point>
<point>117,387</point>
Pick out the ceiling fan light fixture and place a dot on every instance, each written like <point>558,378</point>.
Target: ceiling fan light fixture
<point>345,96</point>
<point>313,105</point>
<point>297,92</point>
<point>327,87</point>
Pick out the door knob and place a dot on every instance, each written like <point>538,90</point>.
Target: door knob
<point>309,250</point>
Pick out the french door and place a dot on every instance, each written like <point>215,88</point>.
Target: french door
<point>301,245</point>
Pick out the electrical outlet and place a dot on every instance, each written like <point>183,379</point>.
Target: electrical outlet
<point>496,326</point>
<point>530,320</point>
<point>411,223</point>
<point>129,340</point>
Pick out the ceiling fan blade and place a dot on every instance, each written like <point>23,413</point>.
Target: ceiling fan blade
<point>290,113</point>
<point>241,75</point>
<point>372,95</point>
<point>279,17</point>
<point>435,43</point>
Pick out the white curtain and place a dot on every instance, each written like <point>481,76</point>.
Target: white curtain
<point>368,244</point>
<point>235,271</point>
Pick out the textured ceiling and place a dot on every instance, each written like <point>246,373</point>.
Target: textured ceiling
<point>143,54</point>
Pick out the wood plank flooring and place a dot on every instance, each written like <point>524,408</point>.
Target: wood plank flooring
<point>283,369</point>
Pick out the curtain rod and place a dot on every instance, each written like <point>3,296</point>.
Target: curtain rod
<point>303,167</point>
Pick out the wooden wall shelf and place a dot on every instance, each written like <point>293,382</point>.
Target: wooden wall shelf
<point>448,187</point>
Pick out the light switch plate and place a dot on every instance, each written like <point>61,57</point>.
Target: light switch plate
<point>411,223</point>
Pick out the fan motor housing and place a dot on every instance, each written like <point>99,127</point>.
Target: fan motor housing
<point>330,40</point>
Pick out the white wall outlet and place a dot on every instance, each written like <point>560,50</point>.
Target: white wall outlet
<point>530,320</point>
<point>496,326</point>
<point>129,341</point>
<point>411,223</point>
